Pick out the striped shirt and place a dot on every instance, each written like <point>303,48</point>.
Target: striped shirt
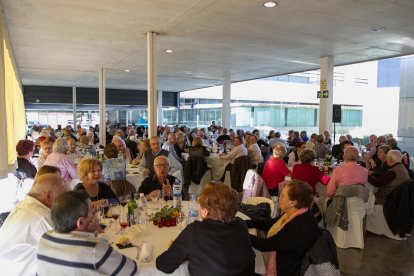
<point>80,253</point>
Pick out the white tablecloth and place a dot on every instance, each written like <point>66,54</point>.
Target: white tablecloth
<point>216,164</point>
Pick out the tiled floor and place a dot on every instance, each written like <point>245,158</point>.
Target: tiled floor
<point>380,257</point>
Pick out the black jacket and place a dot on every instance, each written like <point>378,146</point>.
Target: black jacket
<point>290,243</point>
<point>196,167</point>
<point>399,209</point>
<point>211,248</point>
<point>322,251</point>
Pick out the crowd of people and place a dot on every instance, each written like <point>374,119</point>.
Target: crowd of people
<point>57,210</point>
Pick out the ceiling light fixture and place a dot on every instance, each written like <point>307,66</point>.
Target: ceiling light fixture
<point>127,70</point>
<point>169,51</point>
<point>378,29</point>
<point>270,4</point>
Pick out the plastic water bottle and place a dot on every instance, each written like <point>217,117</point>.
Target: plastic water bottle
<point>141,201</point>
<point>193,209</point>
<point>177,197</point>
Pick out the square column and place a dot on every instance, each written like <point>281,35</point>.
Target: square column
<point>325,106</point>
<point>226,109</point>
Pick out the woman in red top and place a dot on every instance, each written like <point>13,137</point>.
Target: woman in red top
<point>275,169</point>
<point>307,172</point>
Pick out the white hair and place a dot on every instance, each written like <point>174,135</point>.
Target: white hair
<point>60,145</point>
<point>395,156</point>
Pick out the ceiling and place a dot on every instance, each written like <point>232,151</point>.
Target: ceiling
<point>65,42</point>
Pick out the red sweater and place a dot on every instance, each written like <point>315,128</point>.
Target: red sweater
<point>310,174</point>
<point>274,172</point>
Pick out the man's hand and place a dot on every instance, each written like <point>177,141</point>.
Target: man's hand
<point>147,171</point>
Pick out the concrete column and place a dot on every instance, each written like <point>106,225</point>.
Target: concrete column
<point>325,107</point>
<point>226,109</point>
<point>160,116</point>
<point>102,107</point>
<point>152,84</point>
<point>74,106</point>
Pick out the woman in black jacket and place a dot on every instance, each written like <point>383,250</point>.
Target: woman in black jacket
<point>290,235</point>
<point>217,245</point>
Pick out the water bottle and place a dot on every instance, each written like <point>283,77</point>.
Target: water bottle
<point>132,206</point>
<point>193,209</point>
<point>177,197</point>
<point>141,201</point>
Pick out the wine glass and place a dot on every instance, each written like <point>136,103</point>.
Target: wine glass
<point>115,210</point>
<point>123,222</point>
<point>165,196</point>
<point>123,200</point>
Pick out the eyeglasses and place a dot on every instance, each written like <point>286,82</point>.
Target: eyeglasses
<point>162,165</point>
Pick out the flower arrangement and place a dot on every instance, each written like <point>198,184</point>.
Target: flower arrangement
<point>167,216</point>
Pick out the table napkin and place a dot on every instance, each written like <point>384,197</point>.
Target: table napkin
<point>146,252</point>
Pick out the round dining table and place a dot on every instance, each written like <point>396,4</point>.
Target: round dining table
<point>159,239</point>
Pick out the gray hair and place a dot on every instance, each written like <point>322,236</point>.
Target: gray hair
<point>351,154</point>
<point>279,150</point>
<point>395,156</point>
<point>60,145</point>
<point>45,183</point>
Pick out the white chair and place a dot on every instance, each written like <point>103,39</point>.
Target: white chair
<point>354,236</point>
<point>377,224</point>
<point>196,189</point>
<point>256,200</point>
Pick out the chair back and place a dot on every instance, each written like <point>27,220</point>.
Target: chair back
<point>121,187</point>
<point>257,199</point>
<point>238,172</point>
<point>195,169</point>
<point>254,186</point>
<point>321,258</point>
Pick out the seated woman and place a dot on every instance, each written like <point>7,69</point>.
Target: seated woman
<point>90,172</point>
<point>85,146</point>
<point>143,146</point>
<point>198,149</point>
<point>373,167</point>
<point>24,149</point>
<point>275,169</point>
<point>64,162</point>
<point>305,171</point>
<point>217,245</point>
<point>294,155</point>
<point>46,149</point>
<point>290,235</point>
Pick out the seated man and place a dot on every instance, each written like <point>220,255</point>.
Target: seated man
<point>170,145</point>
<point>122,148</point>
<point>392,178</point>
<point>349,173</point>
<point>147,162</point>
<point>153,184</point>
<point>238,150</point>
<point>71,249</point>
<point>26,223</point>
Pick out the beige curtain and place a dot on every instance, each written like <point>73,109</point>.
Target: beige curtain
<point>12,112</point>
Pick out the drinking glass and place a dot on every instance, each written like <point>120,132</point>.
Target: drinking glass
<point>123,222</point>
<point>155,199</point>
<point>181,221</point>
<point>115,210</point>
<point>143,221</point>
<point>123,200</point>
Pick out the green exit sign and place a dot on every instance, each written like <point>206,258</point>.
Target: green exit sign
<point>324,94</point>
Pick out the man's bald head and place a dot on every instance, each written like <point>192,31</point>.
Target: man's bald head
<point>46,188</point>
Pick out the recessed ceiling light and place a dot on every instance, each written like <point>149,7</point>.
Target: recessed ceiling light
<point>127,70</point>
<point>270,4</point>
<point>378,29</point>
<point>169,51</point>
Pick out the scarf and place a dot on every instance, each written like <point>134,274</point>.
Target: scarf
<point>279,224</point>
